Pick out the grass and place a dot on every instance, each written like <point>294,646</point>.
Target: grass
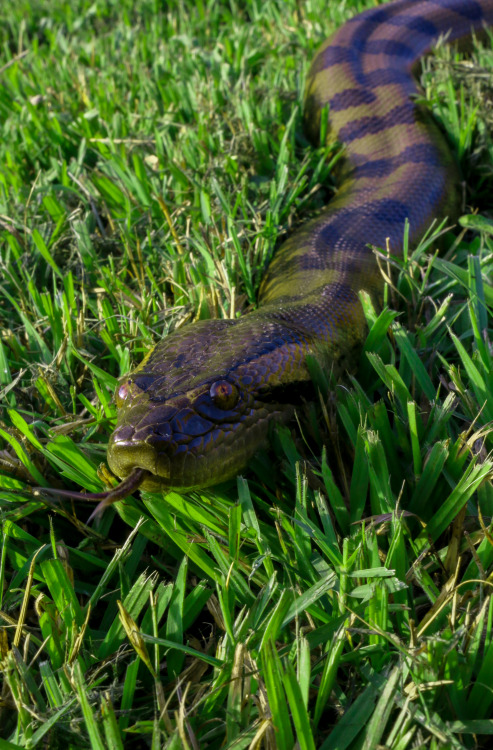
<point>338,595</point>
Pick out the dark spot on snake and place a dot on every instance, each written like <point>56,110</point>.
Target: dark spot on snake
<point>389,47</point>
<point>378,15</point>
<point>334,55</point>
<point>403,114</point>
<point>382,47</point>
<point>420,153</point>
<point>341,291</point>
<point>351,97</point>
<point>390,211</point>
<point>470,10</point>
<point>414,23</point>
<point>387,77</point>
<point>179,361</point>
<point>329,236</point>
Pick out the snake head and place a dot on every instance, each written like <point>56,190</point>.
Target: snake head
<point>199,406</point>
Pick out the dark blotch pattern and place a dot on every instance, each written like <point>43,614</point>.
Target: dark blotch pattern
<point>467,8</point>
<point>389,211</point>
<point>403,114</point>
<point>418,25</point>
<point>387,77</point>
<point>351,97</point>
<point>419,153</point>
<point>388,47</point>
<point>332,56</point>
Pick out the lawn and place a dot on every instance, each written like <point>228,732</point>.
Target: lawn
<point>338,595</point>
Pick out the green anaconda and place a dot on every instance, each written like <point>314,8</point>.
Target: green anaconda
<point>198,407</point>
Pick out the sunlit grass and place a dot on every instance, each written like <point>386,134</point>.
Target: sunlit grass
<point>337,596</point>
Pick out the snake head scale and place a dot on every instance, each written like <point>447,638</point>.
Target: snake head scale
<point>199,406</point>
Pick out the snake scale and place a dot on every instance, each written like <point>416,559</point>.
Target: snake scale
<point>199,406</point>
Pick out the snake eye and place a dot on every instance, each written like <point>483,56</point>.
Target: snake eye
<point>122,393</point>
<point>224,394</point>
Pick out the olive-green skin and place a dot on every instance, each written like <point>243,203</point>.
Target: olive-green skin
<point>199,406</point>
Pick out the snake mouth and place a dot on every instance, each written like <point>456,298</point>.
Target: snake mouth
<point>126,456</point>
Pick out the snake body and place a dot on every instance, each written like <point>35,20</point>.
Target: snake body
<point>198,407</point>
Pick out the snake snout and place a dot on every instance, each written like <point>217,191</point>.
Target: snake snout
<point>129,450</point>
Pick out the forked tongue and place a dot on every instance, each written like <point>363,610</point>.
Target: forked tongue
<point>122,490</point>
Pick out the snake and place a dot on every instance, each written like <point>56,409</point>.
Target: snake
<point>201,403</point>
